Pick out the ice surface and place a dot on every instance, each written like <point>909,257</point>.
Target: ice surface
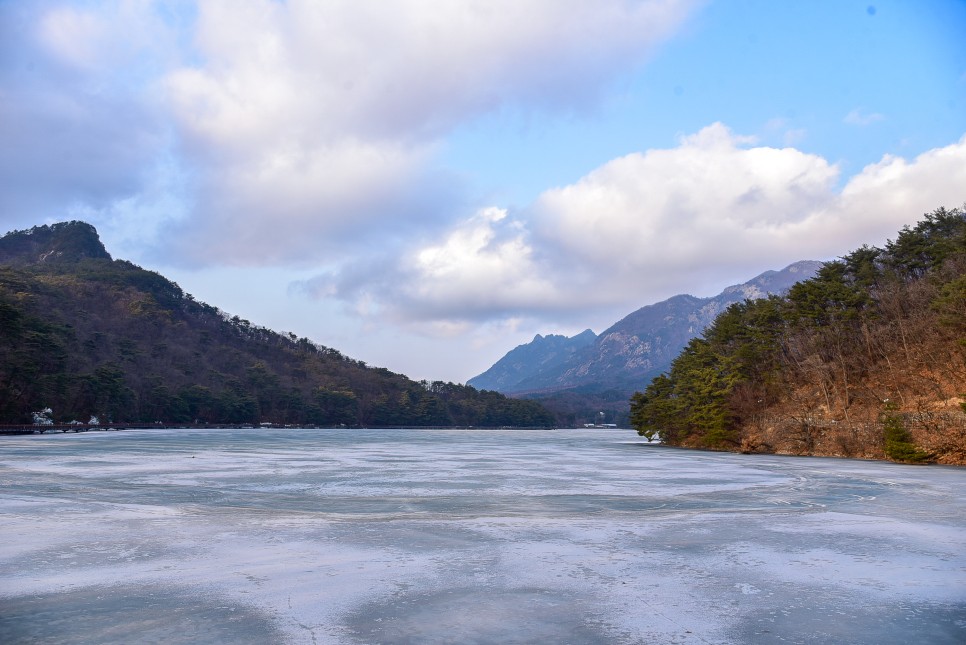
<point>417,536</point>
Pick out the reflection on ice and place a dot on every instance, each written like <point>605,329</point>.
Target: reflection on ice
<point>307,536</point>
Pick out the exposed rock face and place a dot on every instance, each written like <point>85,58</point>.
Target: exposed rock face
<point>632,351</point>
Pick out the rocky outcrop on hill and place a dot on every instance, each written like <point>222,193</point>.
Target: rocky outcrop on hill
<point>63,242</point>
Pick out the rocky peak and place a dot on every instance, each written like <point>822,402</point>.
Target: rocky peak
<point>64,242</point>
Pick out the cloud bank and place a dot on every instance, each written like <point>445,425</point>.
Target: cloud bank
<point>313,125</point>
<point>287,130</point>
<point>715,209</point>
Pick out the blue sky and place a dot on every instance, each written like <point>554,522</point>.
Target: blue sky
<point>425,185</point>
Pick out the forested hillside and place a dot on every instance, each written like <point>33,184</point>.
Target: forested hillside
<point>86,335</point>
<point>866,359</point>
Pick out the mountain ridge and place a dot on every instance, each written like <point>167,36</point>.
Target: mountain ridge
<point>90,336</point>
<point>639,346</point>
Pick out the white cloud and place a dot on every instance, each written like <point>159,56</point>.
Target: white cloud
<point>310,123</point>
<point>712,211</point>
<point>895,191</point>
<point>485,262</point>
<point>481,266</point>
<point>657,217</point>
<point>303,126</point>
<point>665,219</point>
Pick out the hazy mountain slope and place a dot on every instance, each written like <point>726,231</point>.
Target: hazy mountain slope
<point>87,335</point>
<point>541,355</point>
<point>630,352</point>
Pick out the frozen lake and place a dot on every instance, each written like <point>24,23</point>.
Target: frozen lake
<point>417,536</point>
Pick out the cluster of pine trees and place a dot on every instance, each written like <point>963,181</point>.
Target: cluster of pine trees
<point>85,335</point>
<point>868,359</point>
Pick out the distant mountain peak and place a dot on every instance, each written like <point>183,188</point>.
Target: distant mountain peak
<point>543,353</point>
<point>627,354</point>
<point>52,243</point>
